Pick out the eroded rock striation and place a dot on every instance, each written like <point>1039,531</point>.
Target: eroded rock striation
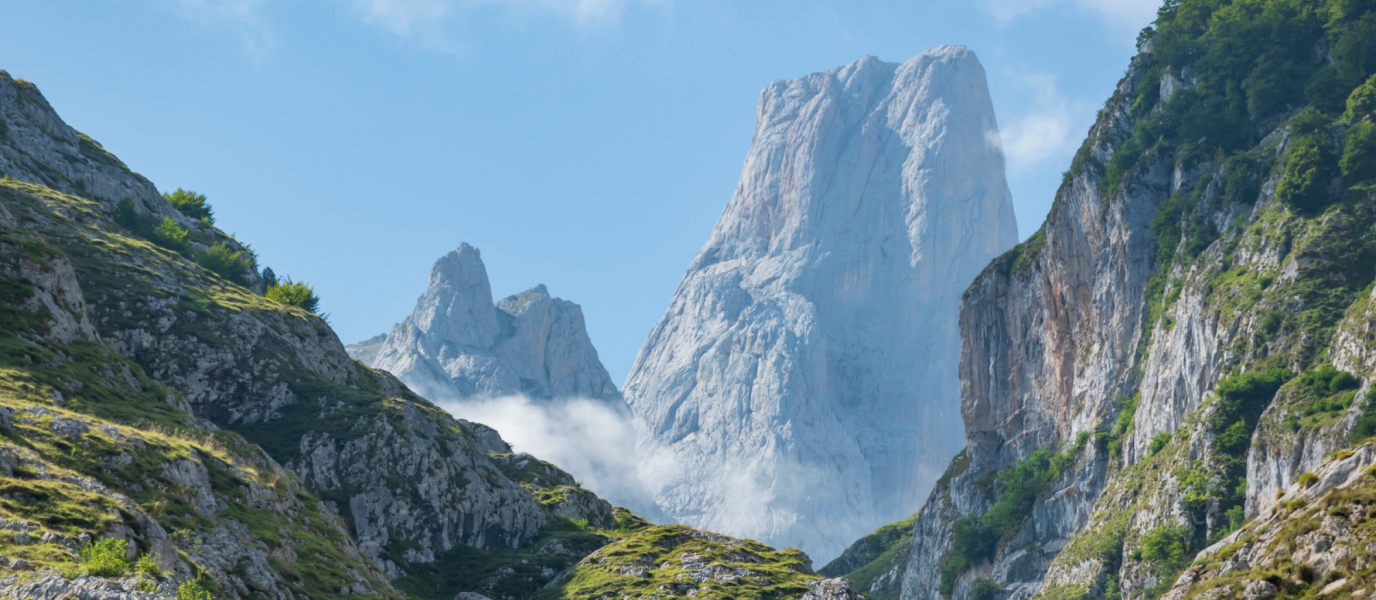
<point>803,380</point>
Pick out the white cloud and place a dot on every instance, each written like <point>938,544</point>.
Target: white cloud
<point>239,16</point>
<point>400,16</point>
<point>1048,130</point>
<point>1127,14</point>
<point>591,440</point>
<point>426,18</point>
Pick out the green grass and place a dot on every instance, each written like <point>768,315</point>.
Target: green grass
<point>881,552</point>
<point>976,538</point>
<point>469,569</point>
<point>770,574</point>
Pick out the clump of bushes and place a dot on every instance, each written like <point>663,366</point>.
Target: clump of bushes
<point>191,204</point>
<point>1359,154</point>
<point>1304,187</point>
<point>976,538</point>
<point>1164,546</point>
<point>294,293</point>
<point>104,558</point>
<point>148,565</point>
<point>1159,442</point>
<point>1240,402</point>
<point>1365,426</point>
<point>1361,104</point>
<point>193,590</point>
<point>166,233</point>
<point>1307,479</point>
<point>226,262</point>
<point>1167,550</point>
<point>983,588</point>
<point>1121,425</point>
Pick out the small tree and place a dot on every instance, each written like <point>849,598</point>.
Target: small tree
<point>226,262</point>
<point>170,235</point>
<point>1362,102</point>
<point>293,293</point>
<point>191,204</point>
<point>1304,187</point>
<point>1159,442</point>
<point>1359,153</point>
<point>106,558</point>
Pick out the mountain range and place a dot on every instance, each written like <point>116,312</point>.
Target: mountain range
<point>1165,391</point>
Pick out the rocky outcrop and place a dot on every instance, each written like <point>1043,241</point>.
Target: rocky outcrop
<point>678,561</point>
<point>1313,540</point>
<point>457,345</point>
<point>36,146</point>
<point>802,379</point>
<point>106,329</point>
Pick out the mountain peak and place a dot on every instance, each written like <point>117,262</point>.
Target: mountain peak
<point>457,344</point>
<point>811,349</point>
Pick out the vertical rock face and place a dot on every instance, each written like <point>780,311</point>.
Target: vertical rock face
<point>803,380</point>
<point>1136,354</point>
<point>457,344</point>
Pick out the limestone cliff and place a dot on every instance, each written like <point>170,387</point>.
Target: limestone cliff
<point>1187,333</point>
<point>803,379</point>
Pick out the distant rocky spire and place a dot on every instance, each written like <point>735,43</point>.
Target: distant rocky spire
<point>456,344</point>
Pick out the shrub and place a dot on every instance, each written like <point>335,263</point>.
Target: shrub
<point>1304,187</point>
<point>297,294</point>
<point>1326,381</point>
<point>1236,518</point>
<point>1122,424</point>
<point>971,542</point>
<point>983,588</point>
<point>1159,442</point>
<point>1113,591</point>
<point>1359,154</point>
<point>974,539</point>
<point>106,558</point>
<point>148,565</point>
<point>170,235</point>
<point>1362,102</point>
<point>191,204</point>
<point>1239,184</point>
<point>1307,479</point>
<point>226,262</point>
<point>1242,398</point>
<point>1365,426</point>
<point>192,590</point>
<point>1165,546</point>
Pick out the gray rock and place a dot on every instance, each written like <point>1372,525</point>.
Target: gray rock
<point>831,589</point>
<point>803,379</point>
<point>69,428</point>
<point>1049,348</point>
<point>1260,590</point>
<point>456,344</point>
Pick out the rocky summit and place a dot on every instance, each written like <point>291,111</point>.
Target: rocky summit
<point>457,345</point>
<point>803,378</point>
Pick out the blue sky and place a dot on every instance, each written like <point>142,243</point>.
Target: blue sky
<point>588,145</point>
